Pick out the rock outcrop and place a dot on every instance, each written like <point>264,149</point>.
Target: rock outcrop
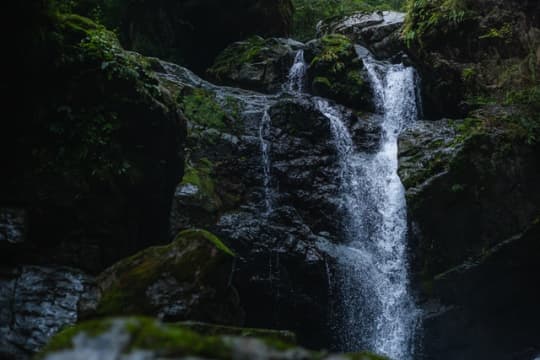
<point>189,279</point>
<point>473,209</point>
<point>190,32</point>
<point>255,63</point>
<point>379,31</point>
<point>148,339</point>
<point>36,302</point>
<point>95,174</point>
<point>472,52</point>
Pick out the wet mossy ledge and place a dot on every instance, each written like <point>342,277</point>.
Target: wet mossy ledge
<point>187,279</point>
<point>335,72</point>
<point>138,336</point>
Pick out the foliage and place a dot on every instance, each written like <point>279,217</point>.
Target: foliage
<point>424,17</point>
<point>309,12</point>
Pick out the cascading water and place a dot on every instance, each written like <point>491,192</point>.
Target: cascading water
<point>377,310</point>
<point>264,132</point>
<point>297,74</point>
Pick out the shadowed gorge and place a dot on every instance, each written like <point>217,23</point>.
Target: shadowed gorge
<point>260,179</point>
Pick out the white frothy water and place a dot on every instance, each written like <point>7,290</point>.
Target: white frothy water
<point>264,132</point>
<point>377,309</point>
<point>297,74</point>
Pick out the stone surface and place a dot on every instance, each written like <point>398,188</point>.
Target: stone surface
<point>36,302</point>
<point>378,31</point>
<point>281,270</point>
<point>12,225</point>
<point>255,63</point>
<point>143,338</point>
<point>473,213</point>
<point>190,279</point>
<point>191,32</point>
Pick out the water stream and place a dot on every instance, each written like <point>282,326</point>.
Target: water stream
<point>377,310</point>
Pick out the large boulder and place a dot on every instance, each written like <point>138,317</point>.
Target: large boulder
<point>36,302</point>
<point>336,72</point>
<point>380,31</point>
<point>190,32</point>
<point>255,63</point>
<point>146,338</point>
<point>472,52</point>
<point>93,152</point>
<point>473,213</point>
<point>487,306</point>
<point>189,279</point>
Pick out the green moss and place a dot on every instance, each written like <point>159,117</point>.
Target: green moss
<point>336,72</point>
<point>174,340</point>
<point>201,176</point>
<point>425,18</point>
<point>201,107</point>
<point>365,356</point>
<point>188,259</point>
<point>197,234</point>
<point>235,56</point>
<point>504,32</point>
<point>64,339</point>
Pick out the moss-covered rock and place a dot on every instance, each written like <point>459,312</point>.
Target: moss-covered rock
<point>336,72</point>
<point>186,280</point>
<point>472,52</point>
<point>94,148</point>
<point>256,63</point>
<point>188,32</point>
<point>139,335</point>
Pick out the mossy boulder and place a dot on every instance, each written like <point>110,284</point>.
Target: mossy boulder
<point>336,72</point>
<point>256,63</point>
<point>470,52</point>
<point>138,336</point>
<point>191,33</point>
<point>94,148</point>
<point>190,279</point>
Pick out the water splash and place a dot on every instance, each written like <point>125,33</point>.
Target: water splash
<point>264,132</point>
<point>297,74</point>
<point>377,309</point>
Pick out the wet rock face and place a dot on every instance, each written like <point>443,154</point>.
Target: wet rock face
<point>281,272</point>
<point>36,302</point>
<point>378,31</point>
<point>186,280</point>
<point>473,215</point>
<point>12,225</point>
<point>469,59</point>
<point>256,64</point>
<point>491,299</point>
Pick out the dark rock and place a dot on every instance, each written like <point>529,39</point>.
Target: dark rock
<point>93,154</point>
<point>473,213</point>
<point>12,225</point>
<point>336,72</point>
<point>191,33</point>
<point>488,305</point>
<point>472,51</point>
<point>380,31</point>
<point>37,302</point>
<point>281,271</point>
<point>190,279</point>
<point>255,64</point>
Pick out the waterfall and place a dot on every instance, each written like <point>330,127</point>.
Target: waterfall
<point>264,132</point>
<point>377,309</point>
<point>297,74</point>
